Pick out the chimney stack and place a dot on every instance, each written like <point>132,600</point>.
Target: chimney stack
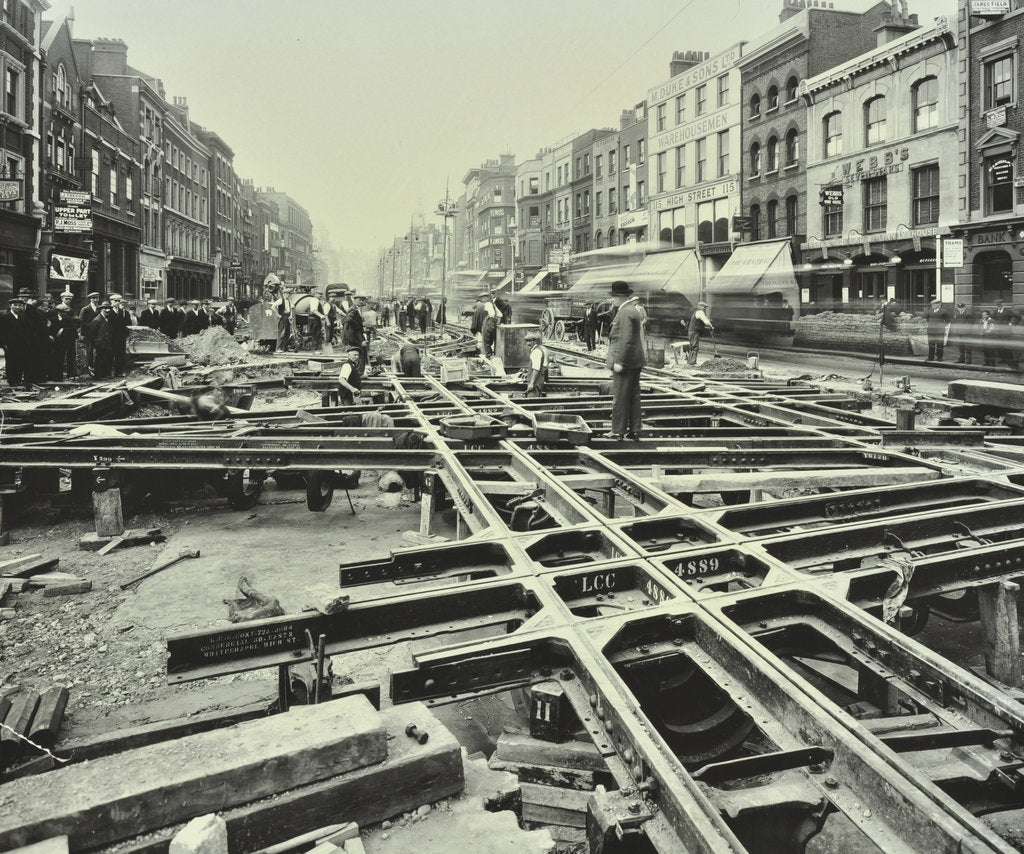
<point>109,56</point>
<point>684,60</point>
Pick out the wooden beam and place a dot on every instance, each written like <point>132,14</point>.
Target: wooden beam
<point>140,790</point>
<point>774,481</point>
<point>413,774</point>
<point>997,604</point>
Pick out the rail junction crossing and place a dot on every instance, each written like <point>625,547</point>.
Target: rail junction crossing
<point>734,609</point>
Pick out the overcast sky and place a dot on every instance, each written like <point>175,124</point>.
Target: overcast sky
<point>361,110</point>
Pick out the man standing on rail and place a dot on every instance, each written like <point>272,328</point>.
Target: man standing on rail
<point>626,359</point>
<point>537,373</point>
<point>699,323</point>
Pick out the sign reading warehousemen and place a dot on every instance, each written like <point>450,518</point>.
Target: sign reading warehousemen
<point>698,74</point>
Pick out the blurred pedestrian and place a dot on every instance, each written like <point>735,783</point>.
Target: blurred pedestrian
<point>441,318</point>
<point>1001,317</point>
<point>590,324</point>
<point>987,335</point>
<point>937,329</point>
<point>889,312</point>
<point>230,314</point>
<point>962,332</point>
<point>626,360</point>
<point>698,324</point>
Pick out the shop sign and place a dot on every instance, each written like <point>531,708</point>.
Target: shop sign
<point>952,253</point>
<point>72,219</point>
<point>11,189</point>
<point>873,166</point>
<point>988,237</point>
<point>75,197</point>
<point>831,197</point>
<point>985,8</point>
<point>1001,170</point>
<point>995,118</point>
<point>634,219</point>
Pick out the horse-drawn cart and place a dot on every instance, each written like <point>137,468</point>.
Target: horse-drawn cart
<point>562,317</point>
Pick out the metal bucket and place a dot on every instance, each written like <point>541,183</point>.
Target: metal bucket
<point>752,358</point>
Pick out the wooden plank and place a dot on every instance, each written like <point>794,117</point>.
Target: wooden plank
<point>30,565</point>
<point>53,845</point>
<point>49,715</point>
<point>122,796</point>
<point>521,749</point>
<point>16,723</point>
<point>773,482</point>
<point>128,738</point>
<point>412,775</point>
<point>548,775</point>
<point>67,588</point>
<point>552,796</point>
<point>1008,396</point>
<point>997,605</point>
<point>106,509</point>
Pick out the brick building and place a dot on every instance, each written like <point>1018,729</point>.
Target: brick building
<point>882,143</point>
<point>490,206</point>
<point>20,209</point>
<point>633,219</point>
<point>810,39</point>
<point>990,197</point>
<point>294,237</point>
<point>225,213</point>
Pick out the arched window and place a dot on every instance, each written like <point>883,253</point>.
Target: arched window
<point>612,237</point>
<point>791,202</point>
<point>665,235</point>
<point>771,217</point>
<point>832,134</point>
<point>755,158</point>
<point>679,235</point>
<point>792,147</point>
<point>598,240</point>
<point>755,222</point>
<point>755,106</point>
<point>925,98</point>
<point>772,154</point>
<point>874,120</point>
<point>773,97</point>
<point>791,85</point>
<point>60,85</point>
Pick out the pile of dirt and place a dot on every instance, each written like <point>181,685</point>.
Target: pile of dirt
<point>144,333</point>
<point>722,366</point>
<point>214,346</point>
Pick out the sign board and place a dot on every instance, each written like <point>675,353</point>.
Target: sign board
<point>946,294</point>
<point>952,252</point>
<point>995,118</point>
<point>11,189</point>
<point>1001,170</point>
<point>75,197</point>
<point>72,219</point>
<point>831,197</point>
<point>990,7</point>
<point>68,268</point>
<point>743,223</point>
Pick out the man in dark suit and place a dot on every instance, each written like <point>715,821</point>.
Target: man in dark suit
<point>101,336</point>
<point>120,319</point>
<point>15,339</point>
<point>170,319</point>
<point>626,359</point>
<point>150,315</point>
<point>85,318</point>
<point>194,321</point>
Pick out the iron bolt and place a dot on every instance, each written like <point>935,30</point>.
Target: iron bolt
<point>831,783</point>
<point>634,809</point>
<point>413,732</point>
<point>1006,756</point>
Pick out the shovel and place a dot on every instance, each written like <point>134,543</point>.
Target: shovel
<point>715,342</point>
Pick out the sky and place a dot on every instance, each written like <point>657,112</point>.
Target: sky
<point>362,111</point>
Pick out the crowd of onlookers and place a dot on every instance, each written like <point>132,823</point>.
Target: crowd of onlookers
<point>988,336</point>
<point>45,339</point>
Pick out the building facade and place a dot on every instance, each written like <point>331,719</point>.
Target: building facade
<point>294,237</point>
<point>694,129</point>
<point>991,194</point>
<point>490,211</point>
<point>21,211</point>
<point>633,219</point>
<point>882,148</point>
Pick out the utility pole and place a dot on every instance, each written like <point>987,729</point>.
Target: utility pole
<point>445,209</point>
<point>411,236</point>
<point>393,253</point>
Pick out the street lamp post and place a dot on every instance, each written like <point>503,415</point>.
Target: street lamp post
<point>410,237</point>
<point>393,253</point>
<point>445,209</point>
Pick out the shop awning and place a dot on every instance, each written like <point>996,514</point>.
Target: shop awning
<point>535,283</point>
<point>501,285</point>
<point>757,269</point>
<point>673,272</point>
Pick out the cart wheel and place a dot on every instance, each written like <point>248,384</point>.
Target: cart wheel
<point>319,490</point>
<point>547,323</point>
<point>243,488</point>
<point>559,334</point>
<point>580,334</point>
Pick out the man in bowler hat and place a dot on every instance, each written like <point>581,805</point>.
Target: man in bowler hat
<point>626,359</point>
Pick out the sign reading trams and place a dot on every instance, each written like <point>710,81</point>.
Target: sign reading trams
<point>11,189</point>
<point>831,197</point>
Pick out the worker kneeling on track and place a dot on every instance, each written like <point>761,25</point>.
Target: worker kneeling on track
<point>406,361</point>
